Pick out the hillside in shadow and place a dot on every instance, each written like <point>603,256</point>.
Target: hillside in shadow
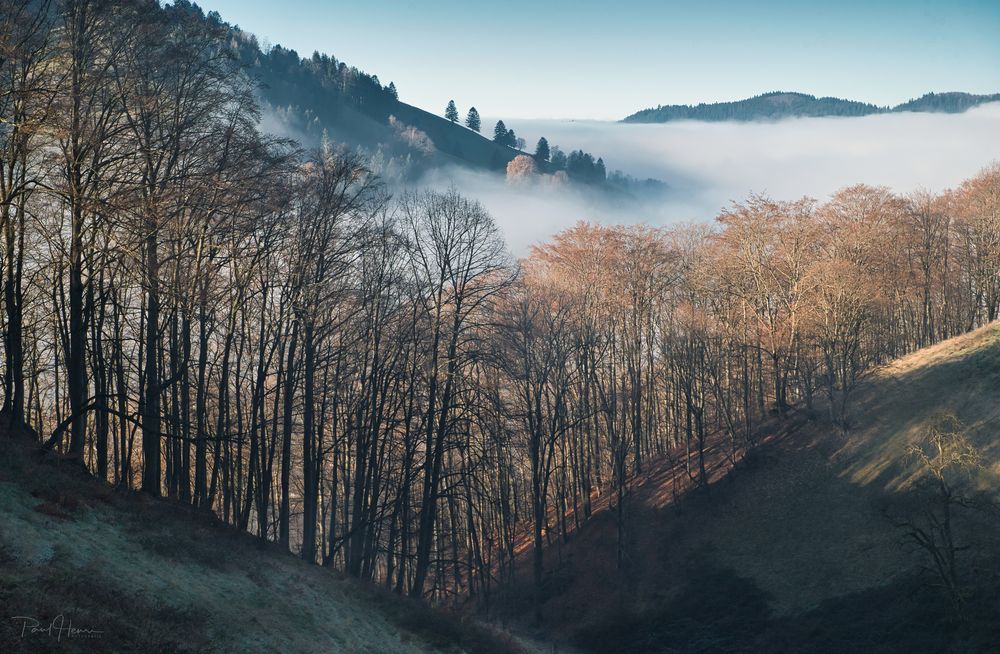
<point>798,547</point>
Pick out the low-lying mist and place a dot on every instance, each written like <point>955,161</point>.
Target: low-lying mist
<point>709,165</point>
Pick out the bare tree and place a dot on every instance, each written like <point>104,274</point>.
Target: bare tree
<point>948,459</point>
<point>459,264</point>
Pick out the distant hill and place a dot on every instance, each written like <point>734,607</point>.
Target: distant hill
<point>949,103</point>
<point>305,97</point>
<point>781,104</point>
<point>316,97</point>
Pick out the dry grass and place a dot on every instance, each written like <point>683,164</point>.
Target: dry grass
<point>959,376</point>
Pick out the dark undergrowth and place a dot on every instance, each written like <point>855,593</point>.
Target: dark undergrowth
<point>442,629</point>
<point>719,611</point>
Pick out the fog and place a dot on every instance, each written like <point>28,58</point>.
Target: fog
<point>708,165</point>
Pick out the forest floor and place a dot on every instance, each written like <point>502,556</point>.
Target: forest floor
<point>797,548</point>
<point>151,575</point>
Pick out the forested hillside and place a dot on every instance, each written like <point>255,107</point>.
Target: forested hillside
<point>197,309</point>
<point>317,97</point>
<point>779,104</point>
<point>311,97</point>
<point>815,542</point>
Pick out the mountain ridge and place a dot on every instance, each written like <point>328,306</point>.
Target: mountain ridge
<point>775,105</point>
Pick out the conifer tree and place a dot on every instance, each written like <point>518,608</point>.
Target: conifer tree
<point>542,150</point>
<point>500,133</point>
<point>472,120</point>
<point>451,112</point>
<point>557,158</point>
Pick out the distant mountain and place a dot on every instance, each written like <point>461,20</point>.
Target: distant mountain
<point>312,97</point>
<point>781,104</point>
<point>317,97</point>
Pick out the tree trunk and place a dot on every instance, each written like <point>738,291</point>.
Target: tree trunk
<point>151,399</point>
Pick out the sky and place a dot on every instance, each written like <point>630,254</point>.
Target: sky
<point>595,59</point>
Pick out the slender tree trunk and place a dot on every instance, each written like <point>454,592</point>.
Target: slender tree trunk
<point>284,510</point>
<point>310,487</point>
<point>151,399</point>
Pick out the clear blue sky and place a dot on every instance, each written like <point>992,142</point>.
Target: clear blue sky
<point>605,59</point>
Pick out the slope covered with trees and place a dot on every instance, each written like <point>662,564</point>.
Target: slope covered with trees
<point>196,309</point>
<point>320,97</point>
<point>309,97</point>
<point>780,104</point>
<point>819,541</point>
<point>316,97</point>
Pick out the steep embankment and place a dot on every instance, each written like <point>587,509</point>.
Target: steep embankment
<point>154,576</point>
<point>798,549</point>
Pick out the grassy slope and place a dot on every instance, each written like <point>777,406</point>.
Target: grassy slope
<point>796,549</point>
<point>455,142</point>
<point>157,576</point>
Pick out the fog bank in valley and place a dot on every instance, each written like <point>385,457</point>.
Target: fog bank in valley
<point>708,165</point>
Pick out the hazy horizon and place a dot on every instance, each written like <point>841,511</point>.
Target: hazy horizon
<point>709,165</point>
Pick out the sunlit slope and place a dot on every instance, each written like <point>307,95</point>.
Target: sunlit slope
<point>813,521</point>
<point>960,376</point>
<point>156,577</point>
